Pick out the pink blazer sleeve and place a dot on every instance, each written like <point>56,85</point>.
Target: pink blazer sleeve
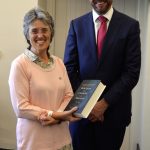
<point>68,88</point>
<point>19,92</point>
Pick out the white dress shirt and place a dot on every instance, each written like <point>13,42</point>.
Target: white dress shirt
<point>97,23</point>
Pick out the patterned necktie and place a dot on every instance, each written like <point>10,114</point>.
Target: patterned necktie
<point>101,34</point>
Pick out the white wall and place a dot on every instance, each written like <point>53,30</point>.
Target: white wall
<point>138,93</point>
<point>12,43</point>
<point>145,125</point>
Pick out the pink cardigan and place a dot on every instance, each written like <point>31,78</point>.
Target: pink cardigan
<point>33,90</point>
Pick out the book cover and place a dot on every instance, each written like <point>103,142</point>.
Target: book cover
<point>86,97</point>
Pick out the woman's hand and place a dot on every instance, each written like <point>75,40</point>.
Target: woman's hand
<point>46,120</point>
<point>66,115</point>
<point>57,117</point>
<point>51,121</point>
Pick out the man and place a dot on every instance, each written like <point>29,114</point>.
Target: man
<point>118,67</point>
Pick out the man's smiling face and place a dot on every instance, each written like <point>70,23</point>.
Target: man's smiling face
<point>101,6</point>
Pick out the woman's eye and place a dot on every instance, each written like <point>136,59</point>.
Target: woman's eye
<point>34,31</point>
<point>43,30</point>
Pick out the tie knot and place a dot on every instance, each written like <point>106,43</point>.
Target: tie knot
<point>102,19</point>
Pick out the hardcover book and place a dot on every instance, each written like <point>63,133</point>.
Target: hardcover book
<point>86,97</point>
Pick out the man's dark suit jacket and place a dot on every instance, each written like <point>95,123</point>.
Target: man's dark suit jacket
<point>118,67</point>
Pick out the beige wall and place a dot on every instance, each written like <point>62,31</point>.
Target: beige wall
<point>11,44</point>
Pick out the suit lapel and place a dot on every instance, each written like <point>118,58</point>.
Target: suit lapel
<point>91,36</point>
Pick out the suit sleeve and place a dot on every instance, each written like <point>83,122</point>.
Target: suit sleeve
<point>131,68</point>
<point>71,58</point>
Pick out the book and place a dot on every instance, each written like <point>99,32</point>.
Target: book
<point>86,97</point>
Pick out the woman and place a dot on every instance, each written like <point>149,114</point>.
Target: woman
<point>40,89</point>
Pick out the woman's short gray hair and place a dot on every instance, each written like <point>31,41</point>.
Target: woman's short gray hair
<point>34,14</point>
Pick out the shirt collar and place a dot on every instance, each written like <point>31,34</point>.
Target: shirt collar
<point>30,55</point>
<point>108,15</point>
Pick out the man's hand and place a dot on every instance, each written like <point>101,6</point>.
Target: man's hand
<point>97,113</point>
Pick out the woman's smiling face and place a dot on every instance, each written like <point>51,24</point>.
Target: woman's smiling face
<point>39,36</point>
